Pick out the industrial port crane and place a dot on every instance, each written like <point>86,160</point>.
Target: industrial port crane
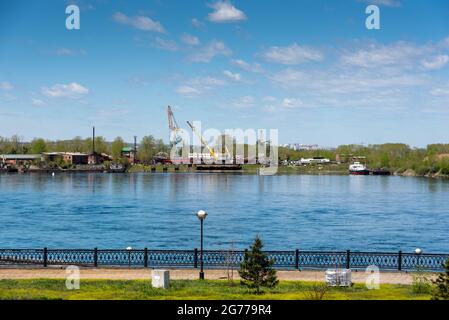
<point>203,141</point>
<point>175,136</point>
<point>173,127</point>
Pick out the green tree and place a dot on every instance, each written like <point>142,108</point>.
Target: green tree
<point>77,145</point>
<point>101,146</point>
<point>15,145</point>
<point>38,146</point>
<point>147,149</point>
<point>116,148</point>
<point>442,285</point>
<point>256,269</point>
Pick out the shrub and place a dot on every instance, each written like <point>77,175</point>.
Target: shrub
<point>441,284</point>
<point>317,291</point>
<point>421,283</point>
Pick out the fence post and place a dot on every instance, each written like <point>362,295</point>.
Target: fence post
<point>45,257</point>
<point>95,257</point>
<point>348,259</point>
<point>195,258</point>
<point>145,258</point>
<point>400,261</point>
<point>297,259</point>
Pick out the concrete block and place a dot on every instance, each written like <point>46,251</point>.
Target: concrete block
<point>160,279</point>
<point>338,277</point>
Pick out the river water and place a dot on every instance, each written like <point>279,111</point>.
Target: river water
<point>157,211</point>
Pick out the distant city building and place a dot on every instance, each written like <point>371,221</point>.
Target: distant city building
<point>300,146</point>
<point>306,147</point>
<point>129,153</point>
<point>18,159</point>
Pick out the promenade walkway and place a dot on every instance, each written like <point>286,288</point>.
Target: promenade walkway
<point>186,274</point>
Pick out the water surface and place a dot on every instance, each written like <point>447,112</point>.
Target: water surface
<point>158,211</point>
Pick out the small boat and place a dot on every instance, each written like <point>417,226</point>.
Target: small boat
<point>358,169</point>
<point>117,168</point>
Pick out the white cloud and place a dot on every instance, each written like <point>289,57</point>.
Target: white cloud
<point>251,67</point>
<point>6,86</point>
<point>291,103</point>
<point>334,87</point>
<point>138,22</point>
<point>71,90</point>
<point>208,82</point>
<point>244,102</point>
<point>190,40</point>
<point>197,86</point>
<point>445,43</point>
<point>69,52</point>
<point>188,91</point>
<point>233,76</point>
<point>207,53</point>
<point>344,82</point>
<point>38,102</point>
<point>397,54</point>
<point>272,104</point>
<point>269,99</point>
<point>224,11</point>
<point>386,3</point>
<point>197,23</point>
<point>442,91</point>
<point>293,54</point>
<point>168,45</point>
<point>435,63</point>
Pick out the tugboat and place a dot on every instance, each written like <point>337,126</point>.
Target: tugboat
<point>358,169</point>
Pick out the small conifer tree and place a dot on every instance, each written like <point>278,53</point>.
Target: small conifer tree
<point>256,269</point>
<point>442,285</point>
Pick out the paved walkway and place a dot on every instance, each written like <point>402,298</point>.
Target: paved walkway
<point>187,274</point>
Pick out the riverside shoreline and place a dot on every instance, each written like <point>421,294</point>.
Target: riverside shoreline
<point>332,169</point>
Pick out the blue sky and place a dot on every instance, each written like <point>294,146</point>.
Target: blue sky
<point>308,68</point>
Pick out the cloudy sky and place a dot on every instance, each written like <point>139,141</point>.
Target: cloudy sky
<point>308,68</point>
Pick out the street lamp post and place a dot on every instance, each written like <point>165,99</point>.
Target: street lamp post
<point>202,216</point>
<point>129,256</point>
<point>418,253</point>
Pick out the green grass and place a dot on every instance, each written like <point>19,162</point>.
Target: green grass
<point>187,289</point>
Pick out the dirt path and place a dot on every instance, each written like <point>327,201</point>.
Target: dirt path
<point>186,274</point>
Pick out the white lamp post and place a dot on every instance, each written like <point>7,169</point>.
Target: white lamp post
<point>202,216</point>
<point>418,253</point>
<point>129,256</point>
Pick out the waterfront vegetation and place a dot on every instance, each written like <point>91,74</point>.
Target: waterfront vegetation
<point>256,270</point>
<point>398,158</point>
<point>196,289</point>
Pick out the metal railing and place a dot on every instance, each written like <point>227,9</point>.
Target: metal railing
<point>147,258</point>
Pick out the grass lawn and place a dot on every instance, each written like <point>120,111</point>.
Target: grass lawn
<point>188,289</point>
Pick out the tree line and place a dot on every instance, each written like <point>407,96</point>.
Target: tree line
<point>392,156</point>
<point>148,146</point>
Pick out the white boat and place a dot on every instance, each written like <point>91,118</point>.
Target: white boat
<point>358,169</point>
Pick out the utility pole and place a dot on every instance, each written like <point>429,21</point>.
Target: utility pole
<point>93,140</point>
<point>135,149</point>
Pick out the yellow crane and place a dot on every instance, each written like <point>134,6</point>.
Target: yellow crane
<point>203,141</point>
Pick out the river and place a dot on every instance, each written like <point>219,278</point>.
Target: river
<point>157,210</point>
